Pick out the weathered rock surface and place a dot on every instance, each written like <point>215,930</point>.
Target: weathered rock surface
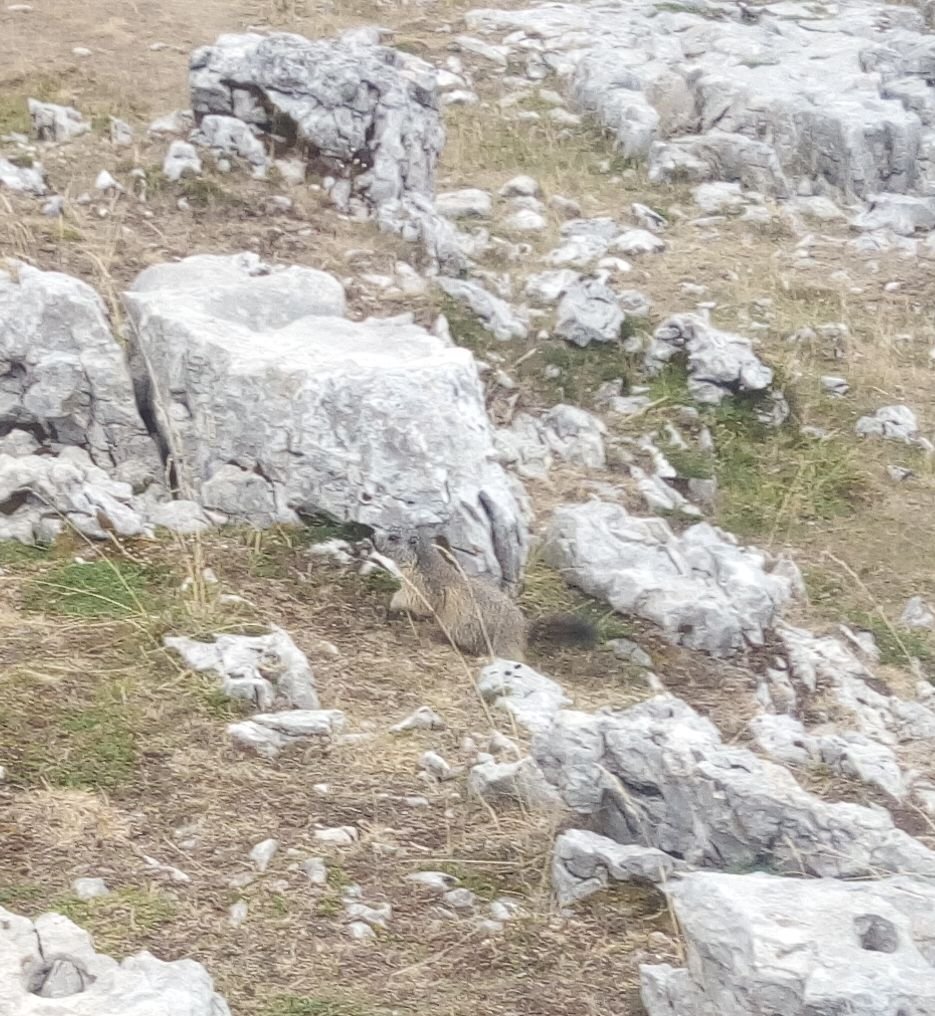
<point>658,775</point>
<point>267,670</point>
<point>700,587</point>
<point>532,699</point>
<point>793,100</point>
<point>56,123</point>
<point>589,312</point>
<point>366,113</point>
<point>273,404</point>
<point>757,945</point>
<point>584,863</point>
<point>269,733</point>
<point>496,315</point>
<point>564,432</point>
<point>48,967</point>
<point>63,376</point>
<point>28,179</point>
<point>718,363</point>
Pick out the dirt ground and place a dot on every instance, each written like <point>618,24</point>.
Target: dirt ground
<point>115,754</point>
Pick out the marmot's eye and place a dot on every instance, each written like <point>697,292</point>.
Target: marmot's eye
<point>393,538</point>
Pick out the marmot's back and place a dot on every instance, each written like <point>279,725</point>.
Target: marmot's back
<point>477,616</point>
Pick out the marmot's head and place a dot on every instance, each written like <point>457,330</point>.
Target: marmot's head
<point>405,546</point>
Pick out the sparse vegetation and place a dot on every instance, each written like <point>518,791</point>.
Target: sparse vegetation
<point>109,588</point>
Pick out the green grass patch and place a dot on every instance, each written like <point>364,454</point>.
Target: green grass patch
<point>671,385</point>
<point>689,463</point>
<point>773,481</point>
<point>14,554</point>
<point>120,918</point>
<point>582,371</point>
<point>97,589</point>
<point>897,646</point>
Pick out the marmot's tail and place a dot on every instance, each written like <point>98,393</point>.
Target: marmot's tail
<point>564,630</point>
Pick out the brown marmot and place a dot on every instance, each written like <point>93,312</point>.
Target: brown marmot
<point>477,616</point>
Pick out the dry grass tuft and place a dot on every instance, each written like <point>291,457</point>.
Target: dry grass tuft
<point>63,818</point>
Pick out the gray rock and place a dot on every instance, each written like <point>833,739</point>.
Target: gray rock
<point>917,614</point>
<point>895,423</point>
<point>26,179</point>
<point>758,944</point>
<point>718,197</point>
<point>273,404</point>
<point>121,133</point>
<point>638,241</point>
<point>263,853</point>
<point>337,836</point>
<point>584,863</point>
<point>269,733</point>
<point>658,775</point>
<point>267,670</point>
<point>56,123</point>
<point>53,959</point>
<point>315,870</point>
<point>835,385</point>
<point>702,589</point>
<point>226,135</point>
<point>584,241</point>
<point>904,214</point>
<point>521,781</point>
<point>718,362</point>
<point>436,881</point>
<point>423,718</point>
<point>649,218</point>
<point>525,220</point>
<point>354,105</point>
<point>469,203</point>
<point>625,649</point>
<point>89,888</point>
<point>548,287</point>
<point>181,160</point>
<point>588,312</point>
<point>495,314</point>
<point>575,436</point>
<point>531,698</point>
<point>520,186</point>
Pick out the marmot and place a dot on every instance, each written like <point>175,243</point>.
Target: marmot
<point>473,612</point>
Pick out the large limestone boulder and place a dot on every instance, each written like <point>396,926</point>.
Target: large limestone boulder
<point>48,967</point>
<point>659,775</point>
<point>367,113</point>
<point>702,588</point>
<point>757,945</point>
<point>64,378</point>
<point>273,404</point>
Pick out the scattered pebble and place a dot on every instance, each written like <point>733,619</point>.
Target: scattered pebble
<point>237,913</point>
<point>263,853</point>
<point>89,888</point>
<point>337,836</point>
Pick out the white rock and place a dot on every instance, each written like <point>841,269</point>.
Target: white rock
<point>56,123</point>
<point>834,385</point>
<point>89,888</point>
<point>700,587</point>
<point>917,614</point>
<point>521,781</point>
<point>263,853</point>
<point>717,197</point>
<point>460,899</point>
<point>49,967</point>
<point>638,241</point>
<point>323,414</point>
<point>469,203</point>
<point>531,698</point>
<point>589,312</point>
<point>525,220</point>
<point>436,766</point>
<point>584,863</point>
<point>376,916</point>
<point>315,870</point>
<point>338,836</point>
<point>121,133</point>
<point>904,214</point>
<point>520,186</point>
<point>181,160</point>
<point>436,881</point>
<point>495,314</point>
<point>895,423</point>
<point>264,669</point>
<point>548,287</point>
<point>819,945</point>
<point>27,179</point>
<point>423,718</point>
<point>718,362</point>
<point>226,135</point>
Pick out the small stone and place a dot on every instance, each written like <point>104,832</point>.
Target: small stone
<point>337,836</point>
<point>563,117</point>
<point>917,614</point>
<point>237,913</point>
<point>360,931</point>
<point>121,133</point>
<point>503,909</point>
<point>423,718</point>
<point>460,899</point>
<point>416,801</point>
<point>520,186</point>
<point>376,915</point>
<point>525,221</point>
<point>468,203</point>
<point>438,881</point>
<point>625,649</point>
<point>322,789</point>
<point>835,385</point>
<point>638,241</point>
<point>54,207</point>
<point>436,766</point>
<point>105,182</point>
<point>565,206</point>
<point>898,474</point>
<point>81,51</point>
<point>181,160</point>
<point>89,888</point>
<point>315,870</point>
<point>263,853</point>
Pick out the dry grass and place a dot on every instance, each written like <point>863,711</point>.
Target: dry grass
<point>114,752</point>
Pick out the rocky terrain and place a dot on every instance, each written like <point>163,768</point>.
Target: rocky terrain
<point>632,302</point>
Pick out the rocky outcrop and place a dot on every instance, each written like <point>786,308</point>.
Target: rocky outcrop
<point>758,945</point>
<point>785,100</point>
<point>48,967</point>
<point>365,113</point>
<point>658,775</point>
<point>273,405</point>
<point>701,588</point>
